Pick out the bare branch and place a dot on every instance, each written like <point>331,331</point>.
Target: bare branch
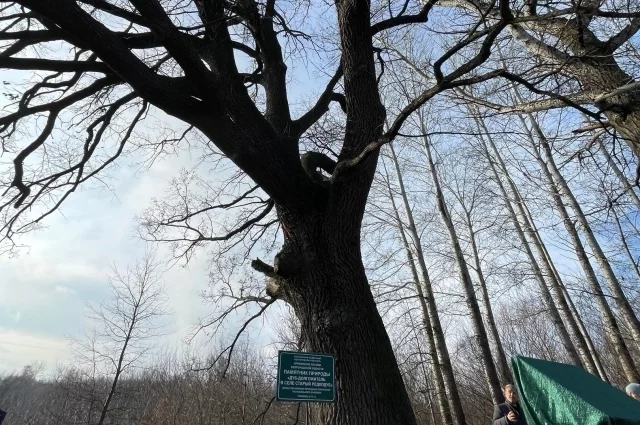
<point>565,99</point>
<point>616,41</point>
<point>533,106</point>
<point>303,123</point>
<point>536,46</point>
<point>401,19</point>
<point>53,65</point>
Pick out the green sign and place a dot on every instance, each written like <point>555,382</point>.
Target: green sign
<point>306,377</point>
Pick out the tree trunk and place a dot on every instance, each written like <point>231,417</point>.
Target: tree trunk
<point>623,179</point>
<point>610,322</point>
<point>602,74</point>
<point>625,245</point>
<point>320,273</point>
<point>503,364</point>
<point>339,316</point>
<point>583,336</point>
<point>612,281</point>
<point>593,63</point>
<point>119,366</point>
<point>540,278</point>
<point>480,332</point>
<point>435,369</point>
<point>439,352</point>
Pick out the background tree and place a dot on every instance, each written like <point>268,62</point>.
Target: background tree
<point>120,340</point>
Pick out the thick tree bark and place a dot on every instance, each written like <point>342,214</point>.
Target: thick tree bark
<point>493,382</point>
<point>440,354</point>
<point>338,316</point>
<point>610,322</point>
<point>599,72</point>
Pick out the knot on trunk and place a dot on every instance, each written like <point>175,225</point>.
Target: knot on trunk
<point>273,287</point>
<point>286,264</point>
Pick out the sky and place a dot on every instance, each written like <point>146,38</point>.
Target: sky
<point>46,288</point>
<point>44,291</point>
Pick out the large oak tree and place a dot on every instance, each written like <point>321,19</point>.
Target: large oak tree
<point>138,55</point>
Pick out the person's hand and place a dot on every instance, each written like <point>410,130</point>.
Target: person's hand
<point>512,416</point>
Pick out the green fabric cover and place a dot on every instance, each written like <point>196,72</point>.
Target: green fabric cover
<point>560,394</point>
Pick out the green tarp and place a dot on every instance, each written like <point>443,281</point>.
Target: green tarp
<point>560,394</point>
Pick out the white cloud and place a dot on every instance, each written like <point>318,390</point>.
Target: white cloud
<point>18,349</point>
<point>64,289</point>
<point>45,289</point>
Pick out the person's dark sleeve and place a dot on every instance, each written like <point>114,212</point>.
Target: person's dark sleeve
<point>3,414</point>
<point>498,417</point>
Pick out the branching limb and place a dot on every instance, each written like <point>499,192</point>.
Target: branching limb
<point>68,179</point>
<point>311,161</point>
<point>413,106</point>
<point>20,158</point>
<point>113,50</point>
<point>616,41</point>
<point>401,19</point>
<point>186,218</point>
<point>518,79</point>
<point>583,98</point>
<point>53,65</point>
<point>65,102</point>
<point>117,11</point>
<point>303,123</point>
<point>232,346</point>
<point>538,47</point>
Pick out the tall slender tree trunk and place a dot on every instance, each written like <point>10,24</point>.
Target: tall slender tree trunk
<point>583,335</point>
<point>619,174</point>
<point>540,278</point>
<point>493,382</point>
<point>441,394</point>
<point>440,353</point>
<point>625,244</point>
<point>425,374</point>
<point>612,281</point>
<point>503,364</point>
<point>610,322</point>
<point>119,366</point>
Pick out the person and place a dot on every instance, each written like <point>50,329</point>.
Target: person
<point>509,412</point>
<point>3,414</point>
<point>633,390</point>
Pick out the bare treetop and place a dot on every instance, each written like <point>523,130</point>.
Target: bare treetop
<point>218,66</point>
